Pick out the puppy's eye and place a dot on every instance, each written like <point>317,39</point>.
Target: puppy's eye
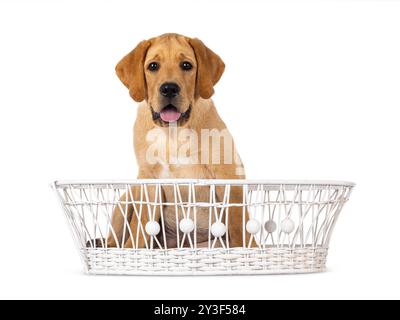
<point>185,65</point>
<point>153,66</point>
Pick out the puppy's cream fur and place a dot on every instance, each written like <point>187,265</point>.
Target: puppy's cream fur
<point>196,85</point>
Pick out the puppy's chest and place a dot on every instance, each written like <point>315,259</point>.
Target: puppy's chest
<point>182,169</point>
<point>170,158</point>
<point>165,170</point>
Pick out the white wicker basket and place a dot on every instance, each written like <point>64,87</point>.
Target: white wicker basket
<point>287,225</point>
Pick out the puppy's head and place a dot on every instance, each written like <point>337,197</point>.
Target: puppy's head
<point>171,72</point>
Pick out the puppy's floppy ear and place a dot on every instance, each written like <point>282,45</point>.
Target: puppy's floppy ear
<point>130,71</point>
<point>209,68</point>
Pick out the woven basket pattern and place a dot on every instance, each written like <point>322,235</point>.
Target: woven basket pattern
<point>205,261</point>
<point>286,226</point>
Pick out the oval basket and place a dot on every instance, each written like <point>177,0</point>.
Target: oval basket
<point>202,227</point>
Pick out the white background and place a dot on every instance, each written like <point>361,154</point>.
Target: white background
<point>311,91</point>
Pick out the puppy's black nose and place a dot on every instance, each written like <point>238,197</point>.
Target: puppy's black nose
<point>169,89</point>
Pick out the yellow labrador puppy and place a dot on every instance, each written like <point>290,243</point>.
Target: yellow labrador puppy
<point>172,76</point>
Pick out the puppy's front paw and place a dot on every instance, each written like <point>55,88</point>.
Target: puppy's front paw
<point>96,243</point>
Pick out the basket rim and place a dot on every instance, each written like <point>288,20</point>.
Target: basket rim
<point>62,183</point>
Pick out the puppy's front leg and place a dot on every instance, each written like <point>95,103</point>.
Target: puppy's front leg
<point>130,217</point>
<point>121,216</point>
<point>236,215</point>
<point>141,216</point>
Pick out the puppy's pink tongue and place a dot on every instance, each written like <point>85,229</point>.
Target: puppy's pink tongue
<point>170,114</point>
